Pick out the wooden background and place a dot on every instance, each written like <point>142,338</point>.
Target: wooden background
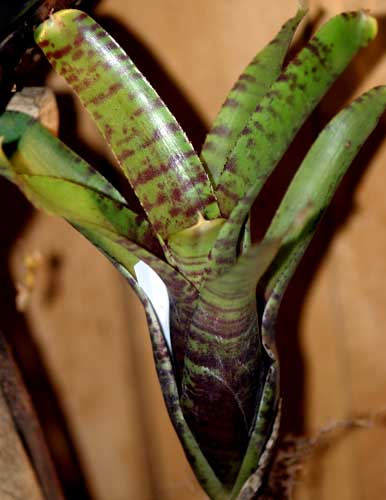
<point>82,341</point>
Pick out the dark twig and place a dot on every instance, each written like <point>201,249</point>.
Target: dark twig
<point>27,424</point>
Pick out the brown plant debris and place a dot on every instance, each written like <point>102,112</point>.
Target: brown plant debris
<point>294,452</point>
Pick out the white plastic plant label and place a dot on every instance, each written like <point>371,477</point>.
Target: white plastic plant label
<point>157,293</point>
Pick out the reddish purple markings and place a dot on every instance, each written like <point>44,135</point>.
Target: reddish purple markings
<point>77,54</point>
<point>221,131</point>
<point>83,84</point>
<point>168,129</point>
<point>247,78</point>
<point>126,153</point>
<point>79,39</point>
<point>232,165</point>
<point>240,87</point>
<point>81,17</point>
<point>176,195</point>
<point>231,103</point>
<point>59,53</point>
<point>103,96</point>
<point>72,79</point>
<point>138,112</point>
<point>108,132</point>
<point>225,261</point>
<point>226,190</point>
<point>149,174</point>
<point>209,146</point>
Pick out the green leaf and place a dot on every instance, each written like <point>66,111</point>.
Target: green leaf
<point>57,180</point>
<point>284,108</point>
<point>314,185</point>
<point>81,205</point>
<point>5,166</point>
<point>34,150</point>
<point>118,231</point>
<point>254,82</point>
<point>153,151</point>
<point>223,360</point>
<point>224,250</point>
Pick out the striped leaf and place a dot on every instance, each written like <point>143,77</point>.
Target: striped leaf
<point>284,108</point>
<point>191,248</point>
<point>224,250</point>
<point>153,151</point>
<point>223,361</point>
<point>254,82</point>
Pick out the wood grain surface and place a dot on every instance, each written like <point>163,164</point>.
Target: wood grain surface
<point>89,329</point>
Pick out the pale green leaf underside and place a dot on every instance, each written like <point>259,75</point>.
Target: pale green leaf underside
<point>316,181</point>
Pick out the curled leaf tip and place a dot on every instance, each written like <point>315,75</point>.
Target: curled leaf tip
<point>53,22</point>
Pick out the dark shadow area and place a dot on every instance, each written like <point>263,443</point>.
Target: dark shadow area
<point>23,69</point>
<point>55,265</point>
<point>26,353</point>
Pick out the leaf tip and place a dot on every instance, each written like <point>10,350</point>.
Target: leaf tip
<point>369,26</point>
<point>302,8</point>
<point>54,22</point>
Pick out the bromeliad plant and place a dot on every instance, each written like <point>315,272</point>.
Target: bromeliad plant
<point>219,371</point>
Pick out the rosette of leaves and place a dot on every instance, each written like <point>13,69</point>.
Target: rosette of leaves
<point>219,374</point>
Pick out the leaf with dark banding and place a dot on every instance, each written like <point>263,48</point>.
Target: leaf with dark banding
<point>153,151</point>
<point>254,82</point>
<point>223,362</point>
<point>191,248</point>
<point>315,184</point>
<point>199,463</point>
<point>284,108</point>
<point>224,250</point>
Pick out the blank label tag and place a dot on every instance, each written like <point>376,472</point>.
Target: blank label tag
<point>157,293</point>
